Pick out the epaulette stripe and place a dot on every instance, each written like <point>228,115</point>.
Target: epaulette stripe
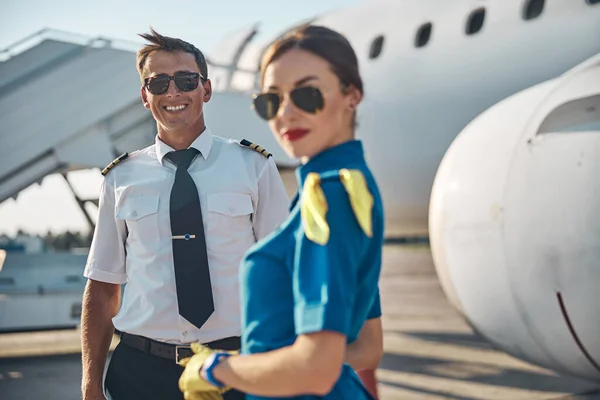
<point>114,162</point>
<point>255,147</point>
<point>262,151</point>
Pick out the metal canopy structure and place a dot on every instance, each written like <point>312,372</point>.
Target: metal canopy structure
<point>66,103</point>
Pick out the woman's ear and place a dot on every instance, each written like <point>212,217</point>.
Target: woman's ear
<point>353,97</point>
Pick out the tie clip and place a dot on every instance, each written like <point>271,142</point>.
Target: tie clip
<point>187,236</point>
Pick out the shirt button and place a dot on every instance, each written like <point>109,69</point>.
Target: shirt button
<point>184,333</point>
<point>134,214</point>
<point>231,209</point>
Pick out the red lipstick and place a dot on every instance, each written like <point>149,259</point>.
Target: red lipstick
<point>295,134</point>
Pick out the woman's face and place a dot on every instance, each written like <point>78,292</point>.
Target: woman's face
<point>298,129</point>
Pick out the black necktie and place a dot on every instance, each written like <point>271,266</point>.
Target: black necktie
<point>192,276</point>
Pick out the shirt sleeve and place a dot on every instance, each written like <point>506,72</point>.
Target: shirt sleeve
<point>273,201</point>
<point>325,276</point>
<point>106,259</point>
<point>375,311</point>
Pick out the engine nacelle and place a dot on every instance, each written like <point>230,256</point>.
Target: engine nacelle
<point>514,223</point>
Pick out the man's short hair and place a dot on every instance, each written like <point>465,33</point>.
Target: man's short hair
<point>159,42</point>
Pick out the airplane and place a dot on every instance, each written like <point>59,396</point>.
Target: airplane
<point>514,226</point>
<point>429,69</point>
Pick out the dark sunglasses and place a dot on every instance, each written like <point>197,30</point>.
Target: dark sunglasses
<point>186,82</point>
<point>306,98</point>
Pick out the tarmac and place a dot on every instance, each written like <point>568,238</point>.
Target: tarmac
<point>430,352</point>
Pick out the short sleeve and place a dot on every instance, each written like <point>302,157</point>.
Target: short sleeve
<point>273,201</point>
<point>375,310</point>
<point>106,259</point>
<point>325,276</point>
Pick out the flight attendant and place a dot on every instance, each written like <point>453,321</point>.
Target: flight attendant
<point>309,291</point>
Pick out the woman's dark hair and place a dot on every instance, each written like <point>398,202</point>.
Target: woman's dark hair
<point>326,43</point>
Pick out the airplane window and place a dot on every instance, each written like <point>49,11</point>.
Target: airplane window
<point>475,21</point>
<point>423,35</point>
<point>533,9</point>
<point>376,47</point>
<point>593,1</point>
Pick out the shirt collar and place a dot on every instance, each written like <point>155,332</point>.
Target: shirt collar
<point>203,144</point>
<point>334,158</point>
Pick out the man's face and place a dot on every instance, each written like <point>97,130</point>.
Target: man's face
<point>175,110</point>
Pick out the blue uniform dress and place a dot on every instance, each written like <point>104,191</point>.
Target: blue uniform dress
<point>291,285</point>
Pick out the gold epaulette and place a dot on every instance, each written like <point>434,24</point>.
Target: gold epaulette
<point>360,198</point>
<point>313,207</point>
<point>255,147</point>
<point>114,162</point>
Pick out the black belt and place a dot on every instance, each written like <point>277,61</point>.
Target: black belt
<point>172,351</point>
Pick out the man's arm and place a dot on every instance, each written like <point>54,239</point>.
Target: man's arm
<point>273,201</point>
<point>105,270</point>
<point>100,304</point>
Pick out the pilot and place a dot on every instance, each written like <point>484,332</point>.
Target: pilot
<point>310,299</point>
<point>174,222</point>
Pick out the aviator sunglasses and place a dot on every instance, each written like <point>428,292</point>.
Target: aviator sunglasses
<point>306,98</point>
<point>185,81</point>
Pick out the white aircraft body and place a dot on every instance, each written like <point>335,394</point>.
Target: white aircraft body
<point>429,68</point>
<point>515,228</point>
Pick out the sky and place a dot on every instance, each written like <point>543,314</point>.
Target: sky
<point>50,206</point>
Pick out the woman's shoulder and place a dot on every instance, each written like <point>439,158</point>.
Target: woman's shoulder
<point>331,197</point>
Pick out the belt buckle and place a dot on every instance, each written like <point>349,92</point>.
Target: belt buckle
<point>182,352</point>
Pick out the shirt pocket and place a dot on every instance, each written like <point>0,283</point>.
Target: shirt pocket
<point>140,214</point>
<point>229,225</point>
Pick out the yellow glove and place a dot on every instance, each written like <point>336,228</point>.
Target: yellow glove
<point>202,396</point>
<point>191,383</point>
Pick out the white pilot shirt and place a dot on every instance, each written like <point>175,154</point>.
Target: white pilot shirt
<point>242,199</point>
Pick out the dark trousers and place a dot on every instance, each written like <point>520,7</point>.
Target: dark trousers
<point>133,374</point>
